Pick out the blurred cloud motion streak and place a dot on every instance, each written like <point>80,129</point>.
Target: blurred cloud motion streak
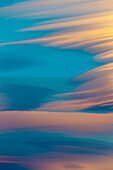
<point>56,87</point>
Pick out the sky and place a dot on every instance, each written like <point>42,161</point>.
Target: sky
<point>56,87</point>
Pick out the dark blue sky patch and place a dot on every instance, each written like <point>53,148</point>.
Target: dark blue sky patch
<point>73,146</point>
<point>26,143</point>
<point>10,166</point>
<point>100,109</point>
<point>18,57</point>
<point>24,98</point>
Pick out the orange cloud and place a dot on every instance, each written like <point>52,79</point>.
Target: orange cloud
<point>92,32</point>
<point>85,163</point>
<point>81,123</point>
<point>95,92</point>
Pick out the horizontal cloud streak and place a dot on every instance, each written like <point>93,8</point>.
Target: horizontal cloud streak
<point>95,93</point>
<point>86,163</point>
<point>80,123</point>
<point>48,8</point>
<point>91,32</point>
<point>41,132</point>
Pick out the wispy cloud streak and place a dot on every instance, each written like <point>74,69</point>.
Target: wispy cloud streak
<point>90,29</point>
<point>78,123</point>
<point>95,93</point>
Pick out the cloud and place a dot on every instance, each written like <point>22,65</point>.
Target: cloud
<point>80,24</point>
<point>61,162</point>
<point>48,8</point>
<point>73,166</point>
<point>77,123</point>
<point>91,33</point>
<point>95,93</point>
<point>87,163</point>
<point>74,24</point>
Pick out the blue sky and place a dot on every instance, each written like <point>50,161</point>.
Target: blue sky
<point>56,64</point>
